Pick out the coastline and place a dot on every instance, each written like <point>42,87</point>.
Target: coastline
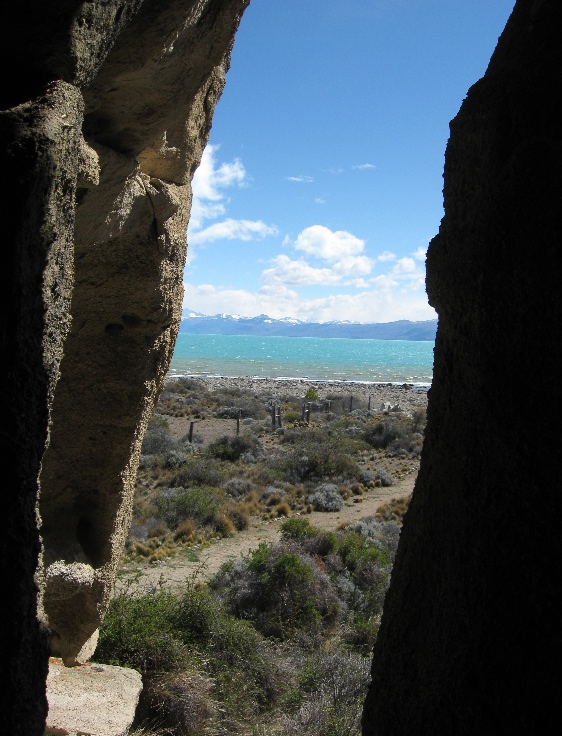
<point>407,396</point>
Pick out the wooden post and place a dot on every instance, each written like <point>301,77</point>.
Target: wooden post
<point>273,416</point>
<point>238,421</point>
<point>351,403</point>
<point>279,416</point>
<point>369,405</point>
<point>303,412</point>
<point>190,435</point>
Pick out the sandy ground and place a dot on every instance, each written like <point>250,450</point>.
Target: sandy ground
<point>174,572</point>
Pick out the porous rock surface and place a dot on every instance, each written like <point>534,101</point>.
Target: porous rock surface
<point>469,642</point>
<point>103,123</point>
<point>95,699</point>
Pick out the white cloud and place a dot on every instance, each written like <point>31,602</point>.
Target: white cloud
<point>210,178</point>
<point>364,166</point>
<point>233,230</point>
<point>420,253</point>
<point>209,202</point>
<point>320,200</point>
<point>354,266</point>
<point>300,179</point>
<point>322,242</point>
<point>386,255</point>
<point>298,273</point>
<point>404,265</point>
<point>340,249</point>
<point>382,303</point>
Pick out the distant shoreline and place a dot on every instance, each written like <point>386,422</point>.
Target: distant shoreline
<point>406,395</point>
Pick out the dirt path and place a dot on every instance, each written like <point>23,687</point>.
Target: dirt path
<point>176,570</point>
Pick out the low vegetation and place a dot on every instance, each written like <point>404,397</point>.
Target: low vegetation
<point>279,638</point>
<point>190,491</point>
<point>276,642</point>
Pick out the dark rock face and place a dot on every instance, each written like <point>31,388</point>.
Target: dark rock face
<point>104,117</point>
<point>469,642</point>
<point>103,123</point>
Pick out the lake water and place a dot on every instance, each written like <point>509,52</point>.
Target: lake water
<point>319,359</point>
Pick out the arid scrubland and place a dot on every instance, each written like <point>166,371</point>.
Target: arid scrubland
<point>278,640</point>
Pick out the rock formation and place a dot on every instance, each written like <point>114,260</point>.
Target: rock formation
<point>469,642</point>
<point>103,125</point>
<point>106,108</point>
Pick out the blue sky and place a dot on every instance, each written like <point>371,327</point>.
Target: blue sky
<point>321,186</point>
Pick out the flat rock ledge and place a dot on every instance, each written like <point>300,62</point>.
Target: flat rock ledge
<point>91,699</point>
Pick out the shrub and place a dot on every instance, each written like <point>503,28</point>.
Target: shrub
<point>296,528</point>
<point>237,487</point>
<point>383,478</point>
<point>281,590</point>
<point>179,702</point>
<point>231,448</point>
<point>314,460</point>
<point>381,434</point>
<point>201,471</point>
<point>177,504</point>
<point>138,632</point>
<point>157,438</point>
<point>175,458</point>
<point>311,394</point>
<point>394,510</point>
<point>326,498</point>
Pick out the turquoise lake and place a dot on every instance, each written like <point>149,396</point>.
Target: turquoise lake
<point>319,359</point>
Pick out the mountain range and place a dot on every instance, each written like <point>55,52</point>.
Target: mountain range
<point>196,323</point>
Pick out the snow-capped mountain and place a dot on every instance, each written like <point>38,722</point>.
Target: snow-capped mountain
<point>234,324</point>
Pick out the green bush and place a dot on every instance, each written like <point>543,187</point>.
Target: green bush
<point>157,438</point>
<point>311,394</point>
<point>297,527</point>
<point>200,471</point>
<point>281,590</point>
<point>231,448</point>
<point>198,503</point>
<point>139,632</point>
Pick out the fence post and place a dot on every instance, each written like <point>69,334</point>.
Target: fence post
<point>273,415</point>
<point>190,435</point>
<point>303,412</point>
<point>279,416</point>
<point>238,421</point>
<point>351,403</point>
<point>369,405</point>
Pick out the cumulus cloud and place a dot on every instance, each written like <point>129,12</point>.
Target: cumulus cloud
<point>404,265</point>
<point>210,202</point>
<point>233,230</point>
<point>381,303</point>
<point>420,254</point>
<point>386,255</point>
<point>297,273</point>
<point>322,242</point>
<point>208,182</point>
<point>341,252</point>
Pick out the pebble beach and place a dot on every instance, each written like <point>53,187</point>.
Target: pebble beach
<point>406,396</point>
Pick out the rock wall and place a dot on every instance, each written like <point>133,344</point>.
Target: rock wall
<point>104,120</point>
<point>469,642</point>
